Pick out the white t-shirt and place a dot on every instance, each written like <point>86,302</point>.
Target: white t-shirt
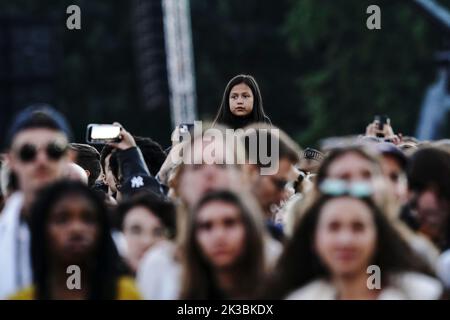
<point>443,268</point>
<point>15,260</point>
<point>403,286</point>
<point>159,274</point>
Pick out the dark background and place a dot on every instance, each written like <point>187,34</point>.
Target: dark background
<point>321,71</point>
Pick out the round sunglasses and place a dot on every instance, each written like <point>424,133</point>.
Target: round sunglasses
<point>28,152</point>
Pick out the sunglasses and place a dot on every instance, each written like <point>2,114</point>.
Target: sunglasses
<point>337,187</point>
<point>28,152</point>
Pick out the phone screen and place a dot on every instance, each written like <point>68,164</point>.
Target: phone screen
<point>102,133</point>
<point>380,121</point>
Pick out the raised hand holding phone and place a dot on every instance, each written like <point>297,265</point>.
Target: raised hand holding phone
<point>126,140</point>
<point>382,129</point>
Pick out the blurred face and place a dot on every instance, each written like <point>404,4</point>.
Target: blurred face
<point>270,189</point>
<point>220,234</point>
<point>345,237</point>
<point>241,100</point>
<point>395,177</point>
<point>197,179</point>
<point>142,229</point>
<point>433,214</point>
<point>73,230</point>
<point>38,157</point>
<point>351,167</point>
<point>110,180</point>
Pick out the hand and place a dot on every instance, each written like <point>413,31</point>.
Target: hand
<point>126,139</point>
<point>175,137</point>
<point>169,163</point>
<point>372,130</point>
<point>387,132</point>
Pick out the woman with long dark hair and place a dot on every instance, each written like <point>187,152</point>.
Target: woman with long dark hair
<point>223,254</point>
<point>241,103</point>
<point>70,233</point>
<point>345,248</point>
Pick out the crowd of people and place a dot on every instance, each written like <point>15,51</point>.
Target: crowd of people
<point>365,216</point>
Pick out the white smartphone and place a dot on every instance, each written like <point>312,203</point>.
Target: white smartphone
<point>102,133</point>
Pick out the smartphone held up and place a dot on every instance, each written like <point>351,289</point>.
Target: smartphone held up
<point>381,121</point>
<point>102,133</point>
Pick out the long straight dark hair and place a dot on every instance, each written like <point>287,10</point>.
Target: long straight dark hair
<point>106,267</point>
<point>300,264</point>
<point>224,115</point>
<point>198,279</point>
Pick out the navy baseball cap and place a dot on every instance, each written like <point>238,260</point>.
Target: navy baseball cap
<point>387,148</point>
<point>38,116</point>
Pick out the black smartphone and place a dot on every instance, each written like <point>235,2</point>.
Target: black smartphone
<point>381,120</point>
<point>102,133</point>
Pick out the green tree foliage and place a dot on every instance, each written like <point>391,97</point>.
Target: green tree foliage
<point>349,73</point>
<point>233,37</point>
<point>321,71</point>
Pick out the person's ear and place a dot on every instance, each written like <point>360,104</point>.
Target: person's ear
<point>88,173</point>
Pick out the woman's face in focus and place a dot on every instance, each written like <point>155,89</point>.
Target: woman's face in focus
<point>345,236</point>
<point>73,230</point>
<point>241,100</point>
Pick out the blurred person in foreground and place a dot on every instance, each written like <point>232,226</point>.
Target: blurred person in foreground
<point>336,246</point>
<point>2,184</point>
<point>224,249</point>
<point>37,143</point>
<point>76,173</point>
<point>69,227</point>
<point>8,182</point>
<point>429,190</point>
<point>361,165</point>
<point>146,219</point>
<point>428,182</point>
<point>159,274</point>
<point>270,189</point>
